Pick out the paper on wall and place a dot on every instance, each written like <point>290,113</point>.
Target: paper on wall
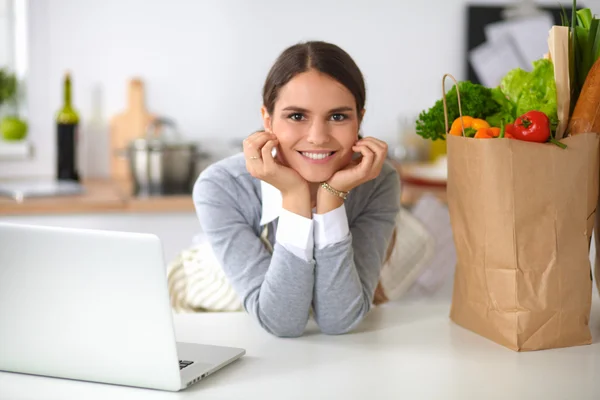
<point>529,34</point>
<point>493,60</point>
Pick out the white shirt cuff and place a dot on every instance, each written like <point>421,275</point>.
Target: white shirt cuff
<point>331,227</point>
<point>295,234</point>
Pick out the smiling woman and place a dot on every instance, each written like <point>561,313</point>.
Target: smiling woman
<point>326,198</point>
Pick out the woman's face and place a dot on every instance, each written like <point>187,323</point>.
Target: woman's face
<point>316,122</point>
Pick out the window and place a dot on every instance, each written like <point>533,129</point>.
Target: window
<point>13,57</point>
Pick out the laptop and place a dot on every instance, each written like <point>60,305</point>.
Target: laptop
<point>94,305</point>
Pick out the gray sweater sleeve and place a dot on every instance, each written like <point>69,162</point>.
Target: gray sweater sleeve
<point>347,272</point>
<point>276,289</point>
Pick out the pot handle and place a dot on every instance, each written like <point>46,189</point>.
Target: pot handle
<point>153,131</point>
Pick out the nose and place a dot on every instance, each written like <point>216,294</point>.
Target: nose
<point>318,134</point>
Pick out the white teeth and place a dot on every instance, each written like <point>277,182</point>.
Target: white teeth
<point>316,156</point>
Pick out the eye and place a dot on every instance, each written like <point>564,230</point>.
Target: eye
<point>339,117</point>
<point>296,116</point>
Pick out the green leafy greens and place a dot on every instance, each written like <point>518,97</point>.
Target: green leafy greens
<point>535,90</point>
<point>476,101</point>
<point>519,92</point>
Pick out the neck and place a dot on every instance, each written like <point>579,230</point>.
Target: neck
<point>67,92</point>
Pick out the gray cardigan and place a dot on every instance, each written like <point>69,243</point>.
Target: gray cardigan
<point>279,289</point>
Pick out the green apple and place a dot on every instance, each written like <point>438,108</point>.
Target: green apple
<point>13,128</point>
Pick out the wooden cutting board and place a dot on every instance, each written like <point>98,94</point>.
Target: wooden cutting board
<point>125,127</point>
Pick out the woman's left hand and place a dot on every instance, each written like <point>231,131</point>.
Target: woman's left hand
<point>374,153</point>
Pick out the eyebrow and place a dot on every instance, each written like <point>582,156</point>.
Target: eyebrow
<point>304,110</point>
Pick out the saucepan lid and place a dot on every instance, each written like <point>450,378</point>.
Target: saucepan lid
<point>162,134</point>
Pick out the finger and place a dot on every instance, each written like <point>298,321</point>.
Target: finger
<point>254,143</point>
<point>254,135</point>
<point>379,149</point>
<point>374,143</point>
<point>267,153</point>
<point>258,139</point>
<point>251,149</point>
<point>368,157</point>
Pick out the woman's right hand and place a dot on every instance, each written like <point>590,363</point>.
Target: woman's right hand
<point>260,163</point>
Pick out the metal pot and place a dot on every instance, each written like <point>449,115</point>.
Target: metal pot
<point>160,164</point>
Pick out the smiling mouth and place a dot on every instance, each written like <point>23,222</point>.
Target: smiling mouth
<point>317,155</point>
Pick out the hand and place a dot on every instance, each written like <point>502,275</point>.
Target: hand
<point>368,167</point>
<point>260,163</point>
<point>379,296</point>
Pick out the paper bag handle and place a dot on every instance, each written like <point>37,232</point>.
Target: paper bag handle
<point>462,125</point>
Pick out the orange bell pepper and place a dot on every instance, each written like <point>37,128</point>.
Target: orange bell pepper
<point>471,125</point>
<point>477,124</point>
<point>487,133</point>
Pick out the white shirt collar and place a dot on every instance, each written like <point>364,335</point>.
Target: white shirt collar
<point>271,203</point>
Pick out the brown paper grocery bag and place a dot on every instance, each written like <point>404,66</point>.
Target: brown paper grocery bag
<point>522,216</point>
<point>597,243</point>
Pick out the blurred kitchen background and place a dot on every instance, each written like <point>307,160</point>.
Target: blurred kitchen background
<point>196,69</point>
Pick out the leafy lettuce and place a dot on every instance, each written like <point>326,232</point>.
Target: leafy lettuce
<point>535,90</point>
<point>476,101</point>
<point>507,109</point>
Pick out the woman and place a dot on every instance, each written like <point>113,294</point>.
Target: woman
<point>330,215</point>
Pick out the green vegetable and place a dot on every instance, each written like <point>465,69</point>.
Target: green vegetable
<point>585,32</point>
<point>507,110</point>
<point>476,101</point>
<point>8,86</point>
<point>535,90</point>
<point>584,48</point>
<point>470,132</point>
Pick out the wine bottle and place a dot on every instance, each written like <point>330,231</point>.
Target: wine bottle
<point>67,123</point>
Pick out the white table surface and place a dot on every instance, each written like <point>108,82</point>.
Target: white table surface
<point>402,351</point>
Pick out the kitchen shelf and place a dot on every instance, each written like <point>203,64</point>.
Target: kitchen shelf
<point>106,196</point>
<point>100,196</point>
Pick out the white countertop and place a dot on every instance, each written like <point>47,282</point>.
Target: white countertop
<point>402,351</point>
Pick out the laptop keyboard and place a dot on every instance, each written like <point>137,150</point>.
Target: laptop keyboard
<point>183,364</point>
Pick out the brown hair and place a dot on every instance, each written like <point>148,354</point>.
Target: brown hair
<point>324,57</point>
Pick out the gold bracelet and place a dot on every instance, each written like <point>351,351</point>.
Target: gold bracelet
<point>333,191</point>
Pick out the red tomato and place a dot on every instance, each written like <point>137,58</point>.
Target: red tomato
<point>533,126</point>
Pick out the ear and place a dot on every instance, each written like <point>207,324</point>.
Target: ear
<point>267,121</point>
<point>360,119</point>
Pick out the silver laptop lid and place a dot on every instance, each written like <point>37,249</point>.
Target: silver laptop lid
<point>88,305</point>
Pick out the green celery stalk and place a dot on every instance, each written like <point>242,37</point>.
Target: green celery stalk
<point>584,56</point>
<point>584,17</point>
<point>592,45</point>
<point>564,19</point>
<point>596,47</point>
<point>573,59</point>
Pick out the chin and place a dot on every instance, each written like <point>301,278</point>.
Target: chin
<point>316,176</point>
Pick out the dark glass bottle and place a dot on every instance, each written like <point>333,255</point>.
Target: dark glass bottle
<point>67,123</point>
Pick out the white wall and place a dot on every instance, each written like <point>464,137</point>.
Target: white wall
<point>204,62</point>
<point>5,33</point>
